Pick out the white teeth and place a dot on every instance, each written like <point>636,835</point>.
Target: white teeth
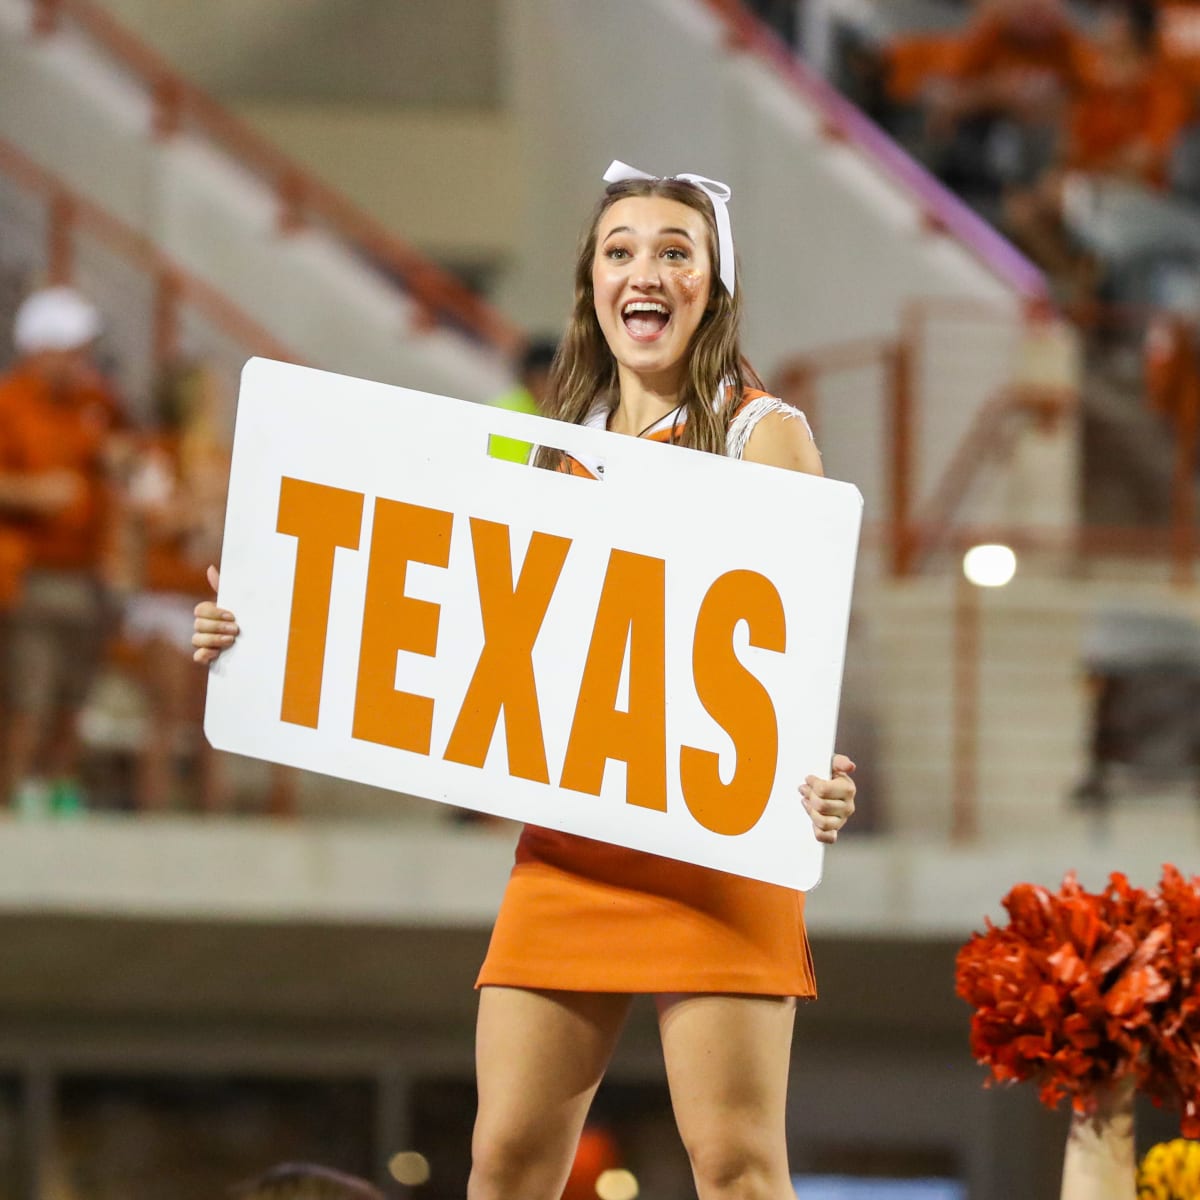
<point>645,306</point>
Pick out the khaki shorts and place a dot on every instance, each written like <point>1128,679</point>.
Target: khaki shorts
<point>55,641</point>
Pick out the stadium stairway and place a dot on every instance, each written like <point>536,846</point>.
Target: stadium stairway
<point>237,214</point>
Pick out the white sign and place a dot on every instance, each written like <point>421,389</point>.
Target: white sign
<point>652,659</point>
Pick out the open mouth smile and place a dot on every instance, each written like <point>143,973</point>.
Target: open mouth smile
<point>645,320</point>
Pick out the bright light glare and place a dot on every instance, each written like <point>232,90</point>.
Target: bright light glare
<point>409,1168</point>
<point>617,1185</point>
<point>989,566</point>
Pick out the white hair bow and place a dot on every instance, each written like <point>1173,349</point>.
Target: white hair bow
<point>718,193</point>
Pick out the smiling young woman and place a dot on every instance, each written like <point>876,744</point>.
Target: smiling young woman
<point>652,350</point>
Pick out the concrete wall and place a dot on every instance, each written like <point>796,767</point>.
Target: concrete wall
<point>444,178</point>
<point>422,53</point>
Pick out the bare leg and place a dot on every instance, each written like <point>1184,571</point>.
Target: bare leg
<point>63,754</point>
<point>213,790</point>
<point>539,1057</point>
<point>29,665</point>
<point>212,778</point>
<point>727,1066</point>
<point>154,773</point>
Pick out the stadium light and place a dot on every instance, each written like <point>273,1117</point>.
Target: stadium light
<point>989,565</point>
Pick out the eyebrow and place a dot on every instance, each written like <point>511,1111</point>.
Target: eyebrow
<point>662,232</point>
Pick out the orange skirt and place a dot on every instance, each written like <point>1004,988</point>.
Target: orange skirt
<point>585,916</point>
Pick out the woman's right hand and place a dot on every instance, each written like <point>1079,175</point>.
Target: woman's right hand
<point>215,628</point>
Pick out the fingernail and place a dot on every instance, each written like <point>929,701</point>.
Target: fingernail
<point>226,616</point>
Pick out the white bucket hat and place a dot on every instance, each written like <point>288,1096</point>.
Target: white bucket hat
<point>56,318</point>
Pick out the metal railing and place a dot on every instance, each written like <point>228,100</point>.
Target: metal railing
<point>155,309</point>
<point>302,198</point>
<point>923,521</point>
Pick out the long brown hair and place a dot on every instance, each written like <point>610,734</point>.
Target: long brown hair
<point>584,368</point>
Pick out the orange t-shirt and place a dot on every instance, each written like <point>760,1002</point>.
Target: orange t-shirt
<point>993,48</point>
<point>1110,115</point>
<point>1179,39</point>
<point>914,59</point>
<point>42,432</point>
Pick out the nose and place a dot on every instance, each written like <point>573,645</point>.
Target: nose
<point>647,274</point>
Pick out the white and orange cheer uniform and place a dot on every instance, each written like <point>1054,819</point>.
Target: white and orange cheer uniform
<point>585,916</point>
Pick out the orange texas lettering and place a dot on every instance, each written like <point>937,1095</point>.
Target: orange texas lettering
<point>630,622</point>
<point>320,519</point>
<point>402,533</point>
<point>737,701</point>
<point>632,611</point>
<point>503,678</point>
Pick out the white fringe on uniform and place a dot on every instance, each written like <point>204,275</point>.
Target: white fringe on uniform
<point>743,424</point>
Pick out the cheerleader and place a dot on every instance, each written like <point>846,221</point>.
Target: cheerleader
<point>651,351</point>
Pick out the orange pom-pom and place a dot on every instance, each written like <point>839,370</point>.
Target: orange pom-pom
<point>1083,989</point>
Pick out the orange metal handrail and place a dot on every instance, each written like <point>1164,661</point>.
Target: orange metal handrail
<point>992,436</point>
<point>70,211</point>
<point>795,379</point>
<point>910,538</point>
<point>1173,390</point>
<point>968,663</point>
<point>302,195</point>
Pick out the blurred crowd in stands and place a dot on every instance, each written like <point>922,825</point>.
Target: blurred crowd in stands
<point>105,532</point>
<point>1073,127</point>
<point>107,526</point>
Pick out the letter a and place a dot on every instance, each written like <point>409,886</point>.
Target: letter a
<point>737,701</point>
<point>503,678</point>
<point>632,611</point>
<point>321,519</point>
<point>402,533</point>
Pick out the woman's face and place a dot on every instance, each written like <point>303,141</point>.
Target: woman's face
<point>651,279</point>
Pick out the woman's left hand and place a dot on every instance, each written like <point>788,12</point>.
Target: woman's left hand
<point>830,802</point>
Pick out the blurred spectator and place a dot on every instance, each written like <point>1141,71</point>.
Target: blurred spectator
<point>56,418</point>
<point>1130,107</point>
<point>993,119</point>
<point>533,376</point>
<point>304,1181</point>
<point>1179,38</point>
<point>918,63</point>
<point>1122,124</point>
<point>176,499</point>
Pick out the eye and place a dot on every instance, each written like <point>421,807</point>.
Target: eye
<point>676,254</point>
<point>617,253</point>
